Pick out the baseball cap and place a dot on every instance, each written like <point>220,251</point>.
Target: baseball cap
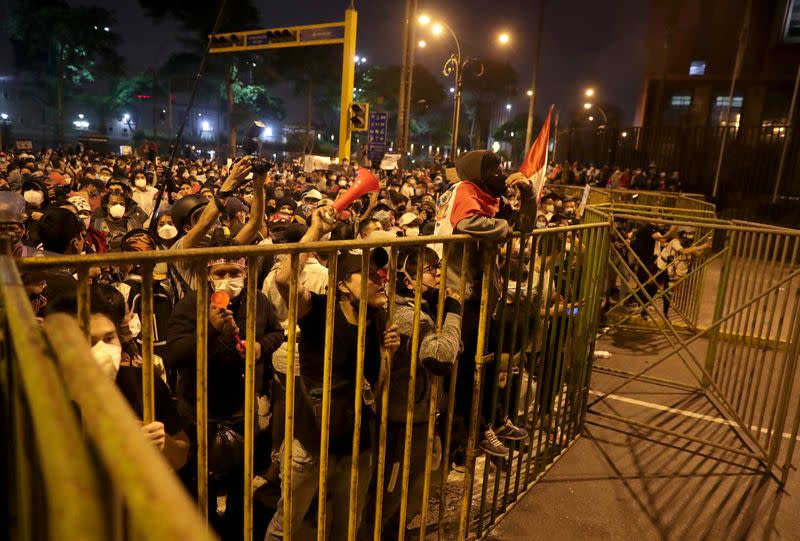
<point>312,194</point>
<point>407,219</point>
<point>348,263</point>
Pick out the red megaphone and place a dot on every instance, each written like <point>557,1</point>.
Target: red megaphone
<point>366,182</point>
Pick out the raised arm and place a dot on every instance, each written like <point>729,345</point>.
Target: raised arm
<point>316,230</point>
<point>253,225</point>
<point>210,213</point>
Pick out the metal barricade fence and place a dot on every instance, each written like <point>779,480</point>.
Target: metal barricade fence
<point>536,302</point>
<point>67,476</point>
<point>748,370</point>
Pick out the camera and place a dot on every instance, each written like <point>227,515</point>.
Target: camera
<point>251,145</point>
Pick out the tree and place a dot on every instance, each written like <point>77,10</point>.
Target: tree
<point>381,85</point>
<point>64,46</point>
<point>513,133</point>
<point>121,93</point>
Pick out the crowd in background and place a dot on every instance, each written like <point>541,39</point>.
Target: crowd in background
<point>56,203</point>
<point>608,176</point>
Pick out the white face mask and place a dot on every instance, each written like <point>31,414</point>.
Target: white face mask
<point>86,221</point>
<point>541,225</point>
<point>135,325</point>
<point>116,211</point>
<point>108,357</point>
<point>33,197</point>
<point>140,182</point>
<point>167,231</point>
<point>233,286</point>
<point>412,231</point>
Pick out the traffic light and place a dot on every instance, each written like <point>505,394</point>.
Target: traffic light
<point>281,36</point>
<point>359,112</point>
<point>223,41</point>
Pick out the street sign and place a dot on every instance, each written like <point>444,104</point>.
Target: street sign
<point>378,122</point>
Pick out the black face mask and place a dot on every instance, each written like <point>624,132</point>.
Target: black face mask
<point>496,185</point>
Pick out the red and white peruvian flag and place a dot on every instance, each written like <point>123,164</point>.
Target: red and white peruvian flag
<point>534,167</point>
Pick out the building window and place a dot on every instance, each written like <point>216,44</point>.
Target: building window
<point>722,101</point>
<point>681,101</point>
<point>697,67</point>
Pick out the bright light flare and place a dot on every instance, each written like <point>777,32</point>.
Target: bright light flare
<point>424,19</point>
<point>504,38</point>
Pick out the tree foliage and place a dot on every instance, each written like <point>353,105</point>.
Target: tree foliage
<point>63,46</point>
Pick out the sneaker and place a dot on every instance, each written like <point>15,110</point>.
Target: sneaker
<point>459,459</point>
<point>510,432</point>
<point>491,445</point>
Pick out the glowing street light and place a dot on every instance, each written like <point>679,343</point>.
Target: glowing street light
<point>422,44</point>
<point>589,92</point>
<point>357,59</point>
<point>508,106</point>
<point>437,29</point>
<point>624,134</point>
<point>529,93</point>
<point>107,29</point>
<point>424,19</point>
<point>587,106</point>
<point>126,117</point>
<point>4,116</point>
<point>504,38</point>
<point>206,126</point>
<point>452,90</point>
<point>80,115</point>
<point>591,119</point>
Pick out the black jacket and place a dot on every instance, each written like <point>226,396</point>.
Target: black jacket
<point>225,364</point>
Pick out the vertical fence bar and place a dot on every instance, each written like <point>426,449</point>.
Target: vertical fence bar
<point>352,525</point>
<point>469,469</point>
<point>84,301</point>
<point>433,405</point>
<point>201,272</point>
<point>451,399</point>
<point>148,402</point>
<point>411,395</point>
<point>288,435</point>
<point>250,394</point>
<point>327,375</point>
<point>733,298</point>
<point>711,365</point>
<point>385,385</point>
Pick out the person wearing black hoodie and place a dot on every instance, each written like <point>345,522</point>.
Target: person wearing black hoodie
<point>474,205</point>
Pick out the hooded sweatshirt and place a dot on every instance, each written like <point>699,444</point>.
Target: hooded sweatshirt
<point>468,208</point>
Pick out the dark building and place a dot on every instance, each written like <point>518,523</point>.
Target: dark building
<point>690,53</point>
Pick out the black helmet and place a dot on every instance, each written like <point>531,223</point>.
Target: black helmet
<point>184,207</point>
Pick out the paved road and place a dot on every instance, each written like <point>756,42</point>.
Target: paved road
<point>625,483</point>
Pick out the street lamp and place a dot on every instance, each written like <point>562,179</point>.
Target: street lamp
<point>4,116</point>
<point>503,38</point>
<point>588,106</point>
<point>529,93</point>
<point>422,44</point>
<point>589,92</point>
<point>508,106</point>
<point>455,66</point>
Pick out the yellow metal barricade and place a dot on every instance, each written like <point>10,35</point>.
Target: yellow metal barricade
<point>539,298</point>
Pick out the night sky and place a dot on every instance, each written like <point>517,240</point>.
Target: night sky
<point>585,42</point>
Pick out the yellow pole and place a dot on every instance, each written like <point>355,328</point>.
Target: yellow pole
<point>250,394</point>
<point>348,74</point>
<point>148,402</point>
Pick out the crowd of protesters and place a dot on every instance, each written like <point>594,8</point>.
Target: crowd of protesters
<point>606,176</point>
<point>54,203</point>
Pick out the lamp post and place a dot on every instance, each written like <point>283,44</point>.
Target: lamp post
<point>589,106</point>
<point>454,65</point>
